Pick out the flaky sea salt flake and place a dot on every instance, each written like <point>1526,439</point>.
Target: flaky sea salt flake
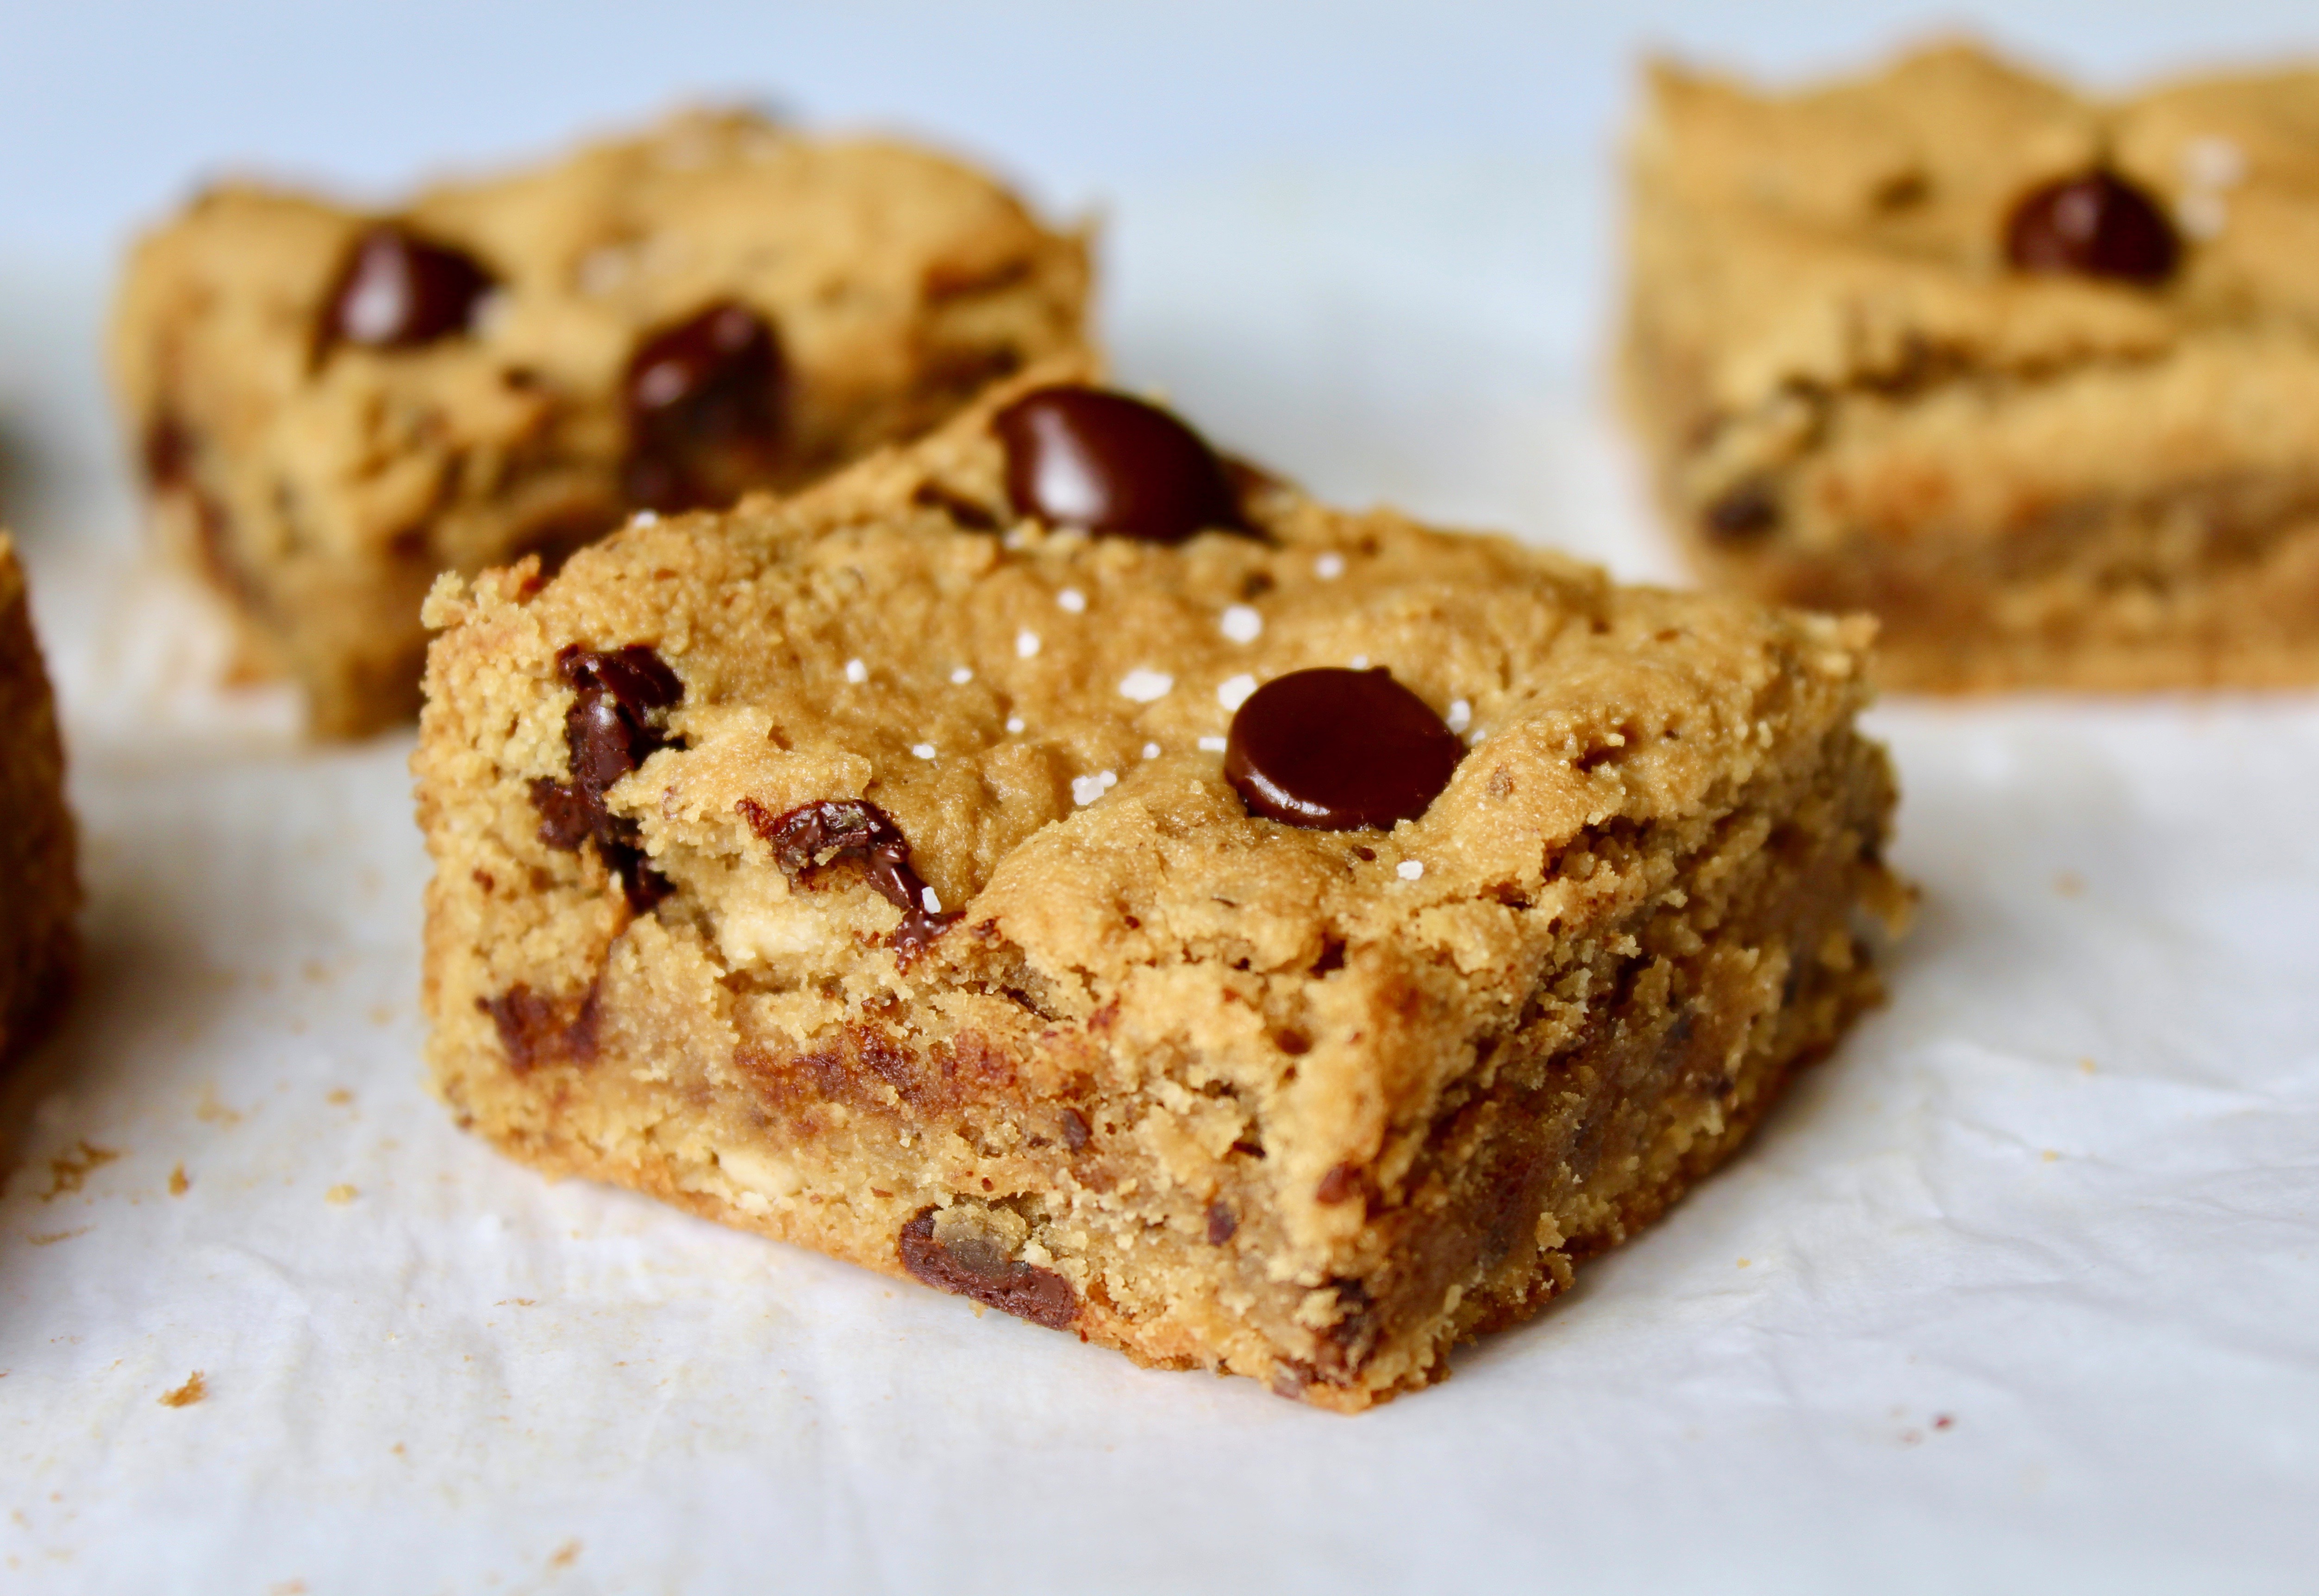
<point>1145,685</point>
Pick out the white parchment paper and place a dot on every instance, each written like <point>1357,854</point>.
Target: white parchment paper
<point>2019,1290</point>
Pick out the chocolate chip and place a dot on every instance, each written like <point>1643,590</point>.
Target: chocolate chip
<point>1076,1129</point>
<point>398,290</point>
<point>536,1030</point>
<point>2097,224</point>
<point>980,1269</point>
<point>618,720</point>
<point>809,838</point>
<point>707,400</point>
<point>168,451</point>
<point>1745,513</point>
<point>1223,1223</point>
<point>1337,750</point>
<point>566,818</point>
<point>1341,1183</point>
<point>1090,458</point>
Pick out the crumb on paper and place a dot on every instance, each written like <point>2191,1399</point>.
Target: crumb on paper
<point>1943,1420</point>
<point>186,1395</point>
<point>178,1184</point>
<point>211,1112</point>
<point>2086,1065</point>
<point>341,1194</point>
<point>2049,1155</point>
<point>565,1555</point>
<point>339,1097</point>
<point>52,1237</point>
<point>1744,1262</point>
<point>2070,884</point>
<point>67,1170</point>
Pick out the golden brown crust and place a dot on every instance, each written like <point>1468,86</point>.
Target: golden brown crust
<point>1305,1106</point>
<point>39,947</point>
<point>322,491</point>
<point>2032,480</point>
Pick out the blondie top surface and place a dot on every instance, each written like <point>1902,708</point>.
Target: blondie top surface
<point>40,890</point>
<point>881,862</point>
<point>338,404</point>
<point>1879,230</point>
<point>2033,377</point>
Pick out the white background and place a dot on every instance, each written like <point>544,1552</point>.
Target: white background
<point>2063,1193</point>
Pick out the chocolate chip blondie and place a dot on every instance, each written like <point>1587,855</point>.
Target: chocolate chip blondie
<point>332,406</point>
<point>39,892</point>
<point>2034,377</point>
<point>1075,870</point>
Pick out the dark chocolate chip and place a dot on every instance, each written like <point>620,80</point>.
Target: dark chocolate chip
<point>1076,1129</point>
<point>618,720</point>
<point>707,403</point>
<point>398,290</point>
<point>1090,458</point>
<point>812,836</point>
<point>1337,750</point>
<point>2097,224</point>
<point>1223,1223</point>
<point>1745,513</point>
<point>983,1271</point>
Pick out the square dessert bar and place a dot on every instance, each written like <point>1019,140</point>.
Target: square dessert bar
<point>40,891</point>
<point>2034,378</point>
<point>332,406</point>
<point>1062,867</point>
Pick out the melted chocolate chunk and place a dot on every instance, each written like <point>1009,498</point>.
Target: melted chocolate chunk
<point>617,721</point>
<point>982,1270</point>
<point>566,818</point>
<point>398,291</point>
<point>535,1030</point>
<point>1090,458</point>
<point>707,401</point>
<point>1223,1224</point>
<point>1338,750</point>
<point>2094,225</point>
<point>811,837</point>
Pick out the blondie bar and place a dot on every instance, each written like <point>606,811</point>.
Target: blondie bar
<point>1074,871</point>
<point>40,891</point>
<point>333,406</point>
<point>2033,377</point>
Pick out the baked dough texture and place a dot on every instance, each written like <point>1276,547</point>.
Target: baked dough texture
<point>321,484</point>
<point>1854,403</point>
<point>40,890</point>
<point>1305,1105</point>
